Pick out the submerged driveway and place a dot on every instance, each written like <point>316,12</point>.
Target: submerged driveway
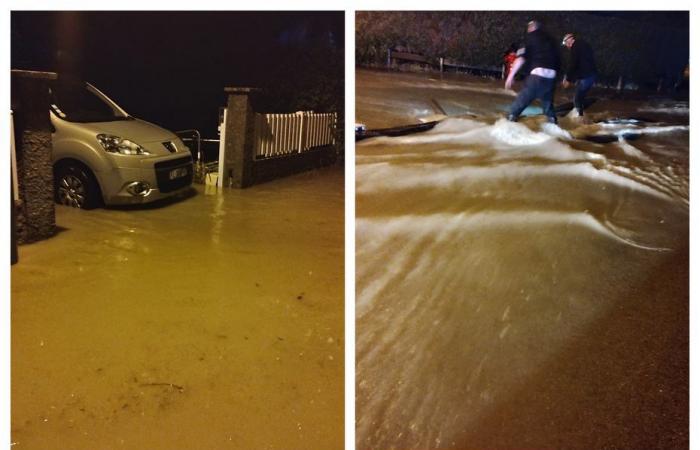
<point>212,322</point>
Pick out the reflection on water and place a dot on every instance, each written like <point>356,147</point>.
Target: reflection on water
<point>519,285</point>
<point>214,322</point>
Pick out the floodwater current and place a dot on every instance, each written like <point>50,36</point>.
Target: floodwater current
<point>520,285</point>
<point>209,322</point>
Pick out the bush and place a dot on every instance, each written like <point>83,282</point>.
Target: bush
<point>638,51</point>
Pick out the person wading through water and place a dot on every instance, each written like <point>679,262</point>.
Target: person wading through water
<point>542,55</point>
<point>581,70</point>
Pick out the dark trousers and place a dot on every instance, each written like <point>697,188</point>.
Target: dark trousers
<point>535,88</point>
<point>583,85</point>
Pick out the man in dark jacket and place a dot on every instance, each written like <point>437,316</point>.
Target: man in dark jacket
<point>582,70</point>
<point>542,56</point>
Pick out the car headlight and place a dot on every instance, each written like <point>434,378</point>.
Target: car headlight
<point>115,144</point>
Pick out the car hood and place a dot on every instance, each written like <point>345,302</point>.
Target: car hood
<point>135,130</point>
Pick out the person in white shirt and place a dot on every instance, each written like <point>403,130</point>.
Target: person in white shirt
<point>542,55</point>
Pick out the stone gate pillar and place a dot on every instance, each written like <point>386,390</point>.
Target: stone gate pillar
<point>239,131</point>
<point>32,132</point>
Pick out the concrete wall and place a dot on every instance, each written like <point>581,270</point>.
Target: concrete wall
<point>271,168</point>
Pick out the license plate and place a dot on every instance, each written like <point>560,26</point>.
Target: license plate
<point>178,173</point>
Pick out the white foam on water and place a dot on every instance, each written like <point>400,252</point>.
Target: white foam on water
<point>556,131</point>
<point>631,150</point>
<point>388,263</point>
<point>654,177</point>
<point>680,108</point>
<point>676,182</point>
<point>503,152</point>
<point>515,134</point>
<point>386,177</point>
<point>443,226</point>
<point>421,112</point>
<point>624,129</point>
<point>432,118</point>
<point>554,151</point>
<point>462,130</point>
<point>514,139</point>
<point>572,114</point>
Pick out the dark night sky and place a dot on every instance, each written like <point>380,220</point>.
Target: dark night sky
<point>171,67</point>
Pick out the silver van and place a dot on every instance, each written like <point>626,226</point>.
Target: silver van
<point>102,155</point>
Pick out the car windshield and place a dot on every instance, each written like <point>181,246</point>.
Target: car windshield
<point>76,102</point>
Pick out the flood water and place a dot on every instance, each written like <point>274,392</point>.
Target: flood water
<point>215,321</point>
<point>520,285</point>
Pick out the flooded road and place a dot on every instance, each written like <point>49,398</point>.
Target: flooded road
<point>212,322</point>
<point>520,285</point>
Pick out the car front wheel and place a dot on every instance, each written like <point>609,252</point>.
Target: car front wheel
<point>75,187</point>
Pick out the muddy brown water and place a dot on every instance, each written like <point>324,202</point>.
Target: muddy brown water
<point>519,286</point>
<point>211,322</point>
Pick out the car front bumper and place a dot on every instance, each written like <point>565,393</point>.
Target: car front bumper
<point>164,177</point>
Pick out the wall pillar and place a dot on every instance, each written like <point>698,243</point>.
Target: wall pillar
<point>239,134</point>
<point>14,254</point>
<point>32,133</point>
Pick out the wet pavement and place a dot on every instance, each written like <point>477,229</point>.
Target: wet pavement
<point>520,285</point>
<point>214,321</point>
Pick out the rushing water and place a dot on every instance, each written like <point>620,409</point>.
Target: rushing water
<point>520,284</point>
<point>211,322</point>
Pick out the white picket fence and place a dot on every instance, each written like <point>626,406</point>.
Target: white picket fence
<point>286,134</point>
